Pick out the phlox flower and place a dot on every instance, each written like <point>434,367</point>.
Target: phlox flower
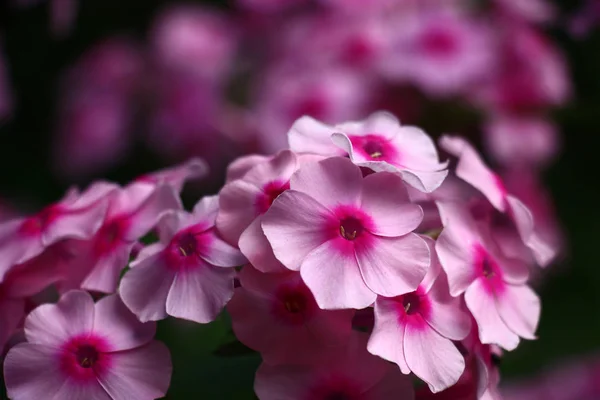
<point>188,274</point>
<point>474,171</point>
<point>242,203</point>
<point>132,212</point>
<point>349,373</point>
<point>79,350</point>
<point>77,215</point>
<point>178,175</point>
<point>378,143</point>
<point>494,285</point>
<point>276,314</point>
<point>416,330</point>
<point>350,237</point>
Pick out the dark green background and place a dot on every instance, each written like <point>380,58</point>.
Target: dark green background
<point>570,324</point>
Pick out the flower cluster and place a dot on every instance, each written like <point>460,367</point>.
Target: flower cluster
<point>348,261</point>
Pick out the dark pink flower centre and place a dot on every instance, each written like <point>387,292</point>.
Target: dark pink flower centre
<point>411,303</point>
<point>374,147</point>
<point>270,192</point>
<point>87,356</point>
<point>295,304</point>
<point>439,42</point>
<point>186,247</point>
<point>40,221</point>
<point>110,235</point>
<point>351,228</point>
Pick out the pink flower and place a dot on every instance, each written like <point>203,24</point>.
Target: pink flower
<point>360,229</point>
<point>332,95</point>
<point>243,202</point>
<point>194,40</point>
<point>443,52</point>
<point>132,212</point>
<point>416,330</point>
<point>516,140</point>
<point>79,350</point>
<point>276,314</point>
<point>177,176</point>
<point>378,143</point>
<point>188,274</point>
<point>75,216</point>
<point>350,373</point>
<point>496,293</point>
<point>473,170</point>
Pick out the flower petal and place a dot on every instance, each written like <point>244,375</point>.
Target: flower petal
<point>448,320</point>
<point>307,135</point>
<point>387,338</point>
<point>220,253</point>
<point>144,288</point>
<point>294,227</point>
<point>200,294</point>
<point>519,308</point>
<point>255,246</point>
<point>139,374</point>
<point>385,200</point>
<point>492,329</point>
<point>104,276</point>
<point>432,357</point>
<point>334,278</point>
<point>237,209</point>
<point>54,324</point>
<point>393,266</point>
<point>114,321</point>
<point>147,215</point>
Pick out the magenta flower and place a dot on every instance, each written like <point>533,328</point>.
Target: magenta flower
<point>77,216</point>
<point>79,350</point>
<point>378,143</point>
<point>473,170</point>
<point>416,330</point>
<point>350,238</point>
<point>350,373</point>
<point>188,274</point>
<point>243,202</point>
<point>276,314</point>
<point>132,212</point>
<point>496,293</point>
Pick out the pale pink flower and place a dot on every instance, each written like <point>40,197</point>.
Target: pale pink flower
<point>288,92</point>
<point>350,373</point>
<point>494,285</point>
<point>242,203</point>
<point>474,171</point>
<point>194,40</point>
<point>521,140</point>
<point>132,212</point>
<point>238,167</point>
<point>178,175</point>
<point>76,216</point>
<point>79,350</point>
<point>378,143</point>
<point>416,330</point>
<point>276,314</point>
<point>188,274</point>
<point>444,52</point>
<point>361,229</point>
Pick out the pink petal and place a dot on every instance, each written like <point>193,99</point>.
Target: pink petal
<point>473,170</point>
<point>280,167</point>
<point>393,266</point>
<point>206,210</point>
<point>119,326</point>
<point>331,182</point>
<point>519,308</point>
<point>425,181</point>
<point>104,276</point>
<point>200,294</point>
<point>387,338</point>
<point>542,251</point>
<point>431,357</point>
<point>385,200</point>
<point>294,227</point>
<point>146,216</point>
<point>54,324</point>
<point>334,278</point>
<point>236,209</point>
<point>308,135</point>
<point>255,246</point>
<point>492,330</point>
<point>16,248</point>
<point>77,224</point>
<point>145,288</point>
<point>177,176</point>
<point>31,371</point>
<point>240,166</point>
<point>455,259</point>
<point>141,373</point>
<point>448,320</point>
<point>221,254</point>
<point>12,313</point>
